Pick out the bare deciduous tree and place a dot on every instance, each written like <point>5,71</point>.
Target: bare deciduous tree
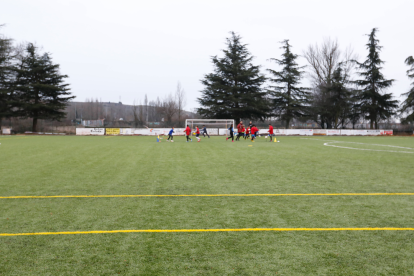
<point>324,59</point>
<point>146,108</point>
<point>135,112</point>
<point>170,107</point>
<point>181,101</point>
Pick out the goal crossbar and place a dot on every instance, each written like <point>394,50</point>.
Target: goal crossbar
<point>212,123</point>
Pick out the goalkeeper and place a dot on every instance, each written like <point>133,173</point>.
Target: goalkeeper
<point>205,131</point>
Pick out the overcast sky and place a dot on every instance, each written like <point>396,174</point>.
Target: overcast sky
<point>127,48</point>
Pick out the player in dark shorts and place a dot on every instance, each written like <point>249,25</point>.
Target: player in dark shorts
<point>170,135</point>
<point>205,132</point>
<point>187,133</point>
<point>231,133</point>
<point>197,130</point>
<point>247,133</point>
<point>270,132</point>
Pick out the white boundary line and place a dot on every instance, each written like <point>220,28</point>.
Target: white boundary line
<point>336,141</point>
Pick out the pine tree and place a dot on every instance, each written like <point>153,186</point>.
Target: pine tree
<point>289,100</point>
<point>7,77</point>
<point>375,104</point>
<point>340,98</point>
<point>42,91</point>
<point>233,90</point>
<point>408,103</point>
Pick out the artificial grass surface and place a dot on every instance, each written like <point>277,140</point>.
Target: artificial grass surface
<point>38,165</point>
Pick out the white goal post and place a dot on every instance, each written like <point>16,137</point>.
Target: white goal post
<point>214,126</point>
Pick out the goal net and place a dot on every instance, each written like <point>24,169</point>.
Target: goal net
<point>214,126</point>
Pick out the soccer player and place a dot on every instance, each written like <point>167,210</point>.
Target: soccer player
<point>239,130</point>
<point>205,132</point>
<point>187,132</point>
<point>198,134</point>
<point>247,133</point>
<point>170,134</point>
<point>254,130</point>
<point>270,132</point>
<point>231,133</point>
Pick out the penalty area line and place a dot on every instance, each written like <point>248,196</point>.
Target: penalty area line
<point>208,195</point>
<point>207,230</point>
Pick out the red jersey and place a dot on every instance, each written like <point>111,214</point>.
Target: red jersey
<point>187,131</point>
<point>247,131</point>
<point>239,127</point>
<point>243,130</point>
<point>197,130</point>
<point>254,130</point>
<point>270,130</point>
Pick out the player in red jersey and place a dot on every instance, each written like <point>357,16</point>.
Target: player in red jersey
<point>270,132</point>
<point>254,130</point>
<point>247,133</point>
<point>198,134</point>
<point>187,133</point>
<point>239,130</point>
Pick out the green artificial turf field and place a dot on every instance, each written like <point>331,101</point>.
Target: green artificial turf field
<point>70,165</point>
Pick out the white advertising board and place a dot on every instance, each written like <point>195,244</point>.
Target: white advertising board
<point>224,131</point>
<point>211,131</point>
<point>293,131</point>
<point>333,132</point>
<point>360,132</point>
<point>347,132</point>
<point>6,131</point>
<point>265,131</point>
<point>125,131</point>
<point>90,131</point>
<point>279,131</point>
<point>373,132</point>
<point>306,132</point>
<point>387,132</point>
<point>319,132</point>
<point>151,131</point>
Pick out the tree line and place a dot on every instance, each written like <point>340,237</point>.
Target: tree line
<point>32,88</point>
<point>343,90</point>
<point>168,109</point>
<point>31,85</point>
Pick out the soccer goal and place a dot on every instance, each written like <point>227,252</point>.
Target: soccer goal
<point>214,126</point>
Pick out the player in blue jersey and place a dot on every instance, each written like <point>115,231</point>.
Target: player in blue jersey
<point>205,131</point>
<point>170,134</point>
<point>231,133</point>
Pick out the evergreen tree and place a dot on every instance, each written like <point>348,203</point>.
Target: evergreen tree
<point>289,100</point>
<point>7,95</point>
<point>339,98</point>
<point>233,90</point>
<point>375,104</point>
<point>408,104</point>
<point>42,91</point>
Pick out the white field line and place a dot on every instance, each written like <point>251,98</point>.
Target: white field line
<point>336,146</point>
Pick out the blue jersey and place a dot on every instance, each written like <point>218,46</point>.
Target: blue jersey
<point>171,132</point>
<point>205,130</point>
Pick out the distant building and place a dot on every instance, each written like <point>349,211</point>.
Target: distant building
<point>93,123</point>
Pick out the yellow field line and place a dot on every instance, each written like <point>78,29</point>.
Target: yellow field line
<point>207,230</point>
<point>206,195</point>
